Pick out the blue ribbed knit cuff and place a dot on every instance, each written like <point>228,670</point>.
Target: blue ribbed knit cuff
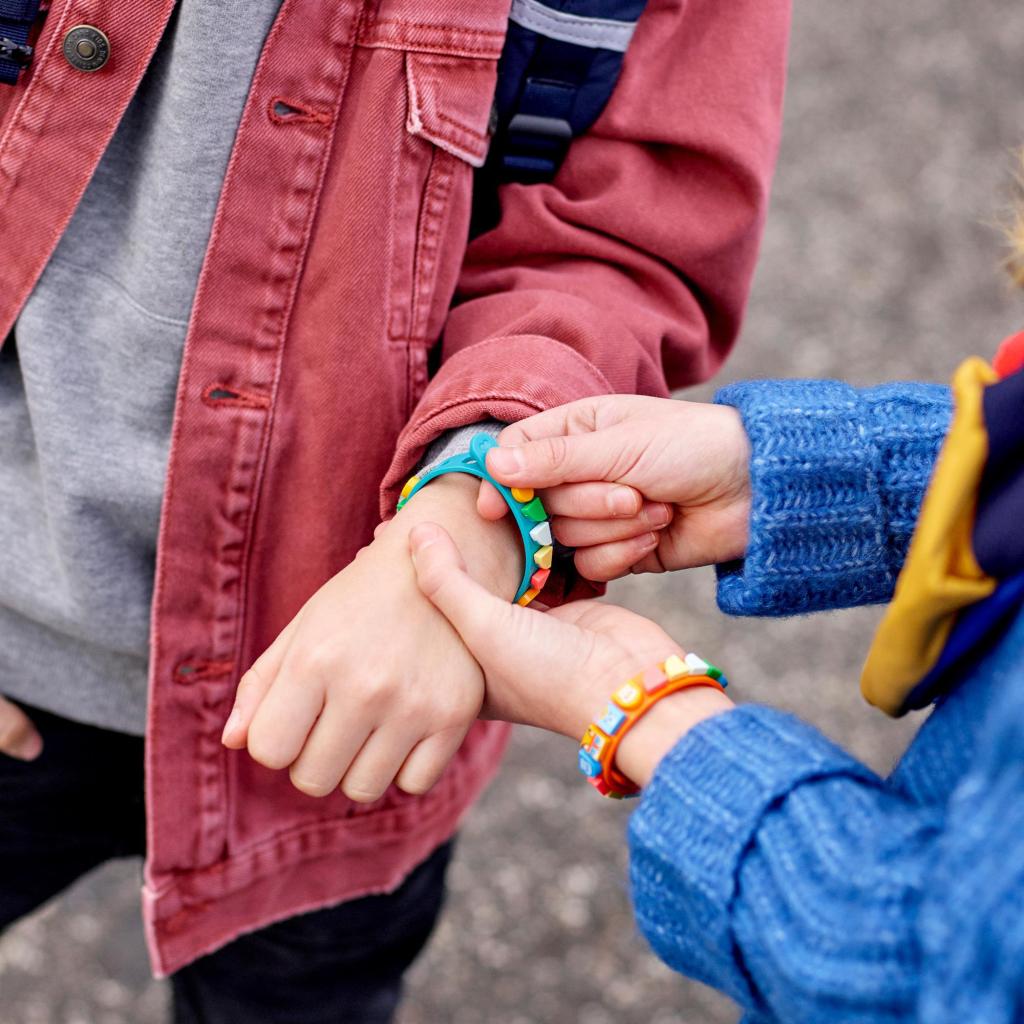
<point>697,819</point>
<point>837,477</point>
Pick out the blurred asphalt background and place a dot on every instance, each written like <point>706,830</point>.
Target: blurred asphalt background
<point>880,262</point>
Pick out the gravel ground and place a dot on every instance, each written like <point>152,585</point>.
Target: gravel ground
<point>880,262</point>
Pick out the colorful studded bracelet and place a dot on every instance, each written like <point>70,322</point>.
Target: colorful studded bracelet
<point>628,704</point>
<point>527,511</point>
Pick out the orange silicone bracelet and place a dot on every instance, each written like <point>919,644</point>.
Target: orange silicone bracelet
<point>628,704</point>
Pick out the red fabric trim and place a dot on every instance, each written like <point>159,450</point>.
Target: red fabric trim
<point>1010,357</point>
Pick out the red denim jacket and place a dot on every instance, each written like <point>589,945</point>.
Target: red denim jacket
<point>338,247</point>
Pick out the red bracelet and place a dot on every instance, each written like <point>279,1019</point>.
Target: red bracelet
<point>629,703</point>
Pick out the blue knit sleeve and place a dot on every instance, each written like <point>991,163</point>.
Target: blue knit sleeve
<point>837,477</point>
<point>972,921</point>
<point>768,863</point>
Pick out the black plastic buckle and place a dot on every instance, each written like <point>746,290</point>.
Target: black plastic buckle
<point>16,53</point>
<point>536,145</point>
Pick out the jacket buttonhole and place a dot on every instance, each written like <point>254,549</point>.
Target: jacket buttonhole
<point>219,395</point>
<point>202,670</point>
<point>286,111</point>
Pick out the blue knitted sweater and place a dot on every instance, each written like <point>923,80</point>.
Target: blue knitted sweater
<point>768,862</point>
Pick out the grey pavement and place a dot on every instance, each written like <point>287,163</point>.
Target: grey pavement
<point>881,261</point>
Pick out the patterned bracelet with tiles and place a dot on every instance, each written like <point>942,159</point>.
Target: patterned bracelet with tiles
<point>628,704</point>
<point>527,510</point>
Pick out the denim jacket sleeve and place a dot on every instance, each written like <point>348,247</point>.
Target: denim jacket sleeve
<point>837,477</point>
<point>628,273</point>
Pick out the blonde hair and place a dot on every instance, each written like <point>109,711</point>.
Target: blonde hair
<point>1013,229</point>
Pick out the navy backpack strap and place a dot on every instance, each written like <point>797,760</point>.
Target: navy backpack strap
<point>559,67</point>
<point>16,20</point>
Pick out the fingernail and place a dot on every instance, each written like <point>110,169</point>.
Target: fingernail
<point>421,537</point>
<point>622,502</point>
<point>660,515</point>
<point>505,461</point>
<point>233,722</point>
<point>650,541</point>
<point>28,749</point>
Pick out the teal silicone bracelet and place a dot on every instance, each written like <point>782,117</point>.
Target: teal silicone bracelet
<point>527,510</point>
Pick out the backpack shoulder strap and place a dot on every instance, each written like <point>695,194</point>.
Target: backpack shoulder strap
<point>16,20</point>
<point>559,67</point>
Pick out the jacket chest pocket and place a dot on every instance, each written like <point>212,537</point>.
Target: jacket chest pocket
<point>449,104</point>
<point>393,221</point>
<point>448,100</point>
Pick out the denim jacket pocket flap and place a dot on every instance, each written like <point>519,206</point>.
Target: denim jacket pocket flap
<point>450,101</point>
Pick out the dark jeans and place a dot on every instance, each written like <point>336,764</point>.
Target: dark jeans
<point>81,804</point>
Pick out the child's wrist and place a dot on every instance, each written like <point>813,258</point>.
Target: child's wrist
<point>643,747</point>
<point>492,550</point>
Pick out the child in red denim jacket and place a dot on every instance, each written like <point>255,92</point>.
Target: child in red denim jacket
<point>234,236</point>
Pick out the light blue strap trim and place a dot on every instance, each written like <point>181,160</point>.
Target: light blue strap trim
<point>596,33</point>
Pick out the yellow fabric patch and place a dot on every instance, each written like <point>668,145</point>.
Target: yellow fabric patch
<point>941,574</point>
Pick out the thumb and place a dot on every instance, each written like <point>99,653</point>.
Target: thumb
<point>519,649</point>
<point>604,455</point>
<point>484,621</point>
<point>489,503</point>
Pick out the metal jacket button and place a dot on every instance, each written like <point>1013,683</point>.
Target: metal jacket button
<point>86,48</point>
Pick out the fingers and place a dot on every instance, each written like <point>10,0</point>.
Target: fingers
<point>377,764</point>
<point>363,762</point>
<point>582,533</point>
<point>651,562</point>
<point>253,687</point>
<point>607,562</point>
<point>580,417</point>
<point>18,736</point>
<point>550,461</point>
<point>489,503</point>
<point>595,500</point>
<point>336,739</point>
<point>551,422</point>
<point>428,760</point>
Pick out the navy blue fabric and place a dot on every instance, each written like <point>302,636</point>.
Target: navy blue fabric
<point>998,536</point>
<point>16,20</point>
<point>546,78</point>
<point>977,630</point>
<point>615,10</point>
<point>19,10</point>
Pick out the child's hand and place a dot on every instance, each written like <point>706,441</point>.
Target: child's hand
<point>641,484</point>
<point>369,684</point>
<point>556,670</point>
<point>18,736</point>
